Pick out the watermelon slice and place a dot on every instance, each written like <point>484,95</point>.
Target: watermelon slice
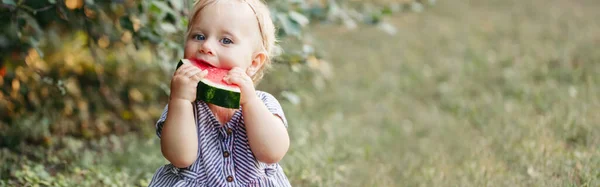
<point>212,88</point>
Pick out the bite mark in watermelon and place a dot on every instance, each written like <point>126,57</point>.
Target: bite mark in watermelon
<point>212,88</point>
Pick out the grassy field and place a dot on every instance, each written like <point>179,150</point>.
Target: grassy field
<point>467,93</point>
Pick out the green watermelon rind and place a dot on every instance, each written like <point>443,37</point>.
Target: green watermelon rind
<point>213,93</point>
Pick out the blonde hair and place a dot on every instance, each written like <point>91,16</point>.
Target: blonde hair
<point>265,26</point>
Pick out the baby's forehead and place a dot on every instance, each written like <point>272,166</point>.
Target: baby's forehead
<point>229,7</point>
<point>234,15</point>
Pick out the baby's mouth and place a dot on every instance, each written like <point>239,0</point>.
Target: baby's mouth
<point>204,62</point>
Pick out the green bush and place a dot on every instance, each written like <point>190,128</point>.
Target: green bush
<point>91,68</point>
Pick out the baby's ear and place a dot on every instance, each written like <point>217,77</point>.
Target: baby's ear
<point>258,61</point>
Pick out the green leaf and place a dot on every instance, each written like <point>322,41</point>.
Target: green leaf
<point>374,18</point>
<point>168,28</point>
<point>9,2</point>
<point>155,9</point>
<point>289,27</point>
<point>52,1</point>
<point>299,18</point>
<point>162,8</point>
<point>184,23</point>
<point>126,23</point>
<point>177,4</point>
<point>386,11</point>
<point>149,35</point>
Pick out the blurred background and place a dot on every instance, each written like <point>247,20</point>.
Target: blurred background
<point>376,92</point>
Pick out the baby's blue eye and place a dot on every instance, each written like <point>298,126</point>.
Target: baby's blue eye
<point>226,41</point>
<point>199,37</point>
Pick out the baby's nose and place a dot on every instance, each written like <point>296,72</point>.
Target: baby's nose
<point>206,49</point>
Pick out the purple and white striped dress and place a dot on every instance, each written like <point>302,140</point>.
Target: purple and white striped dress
<point>224,155</point>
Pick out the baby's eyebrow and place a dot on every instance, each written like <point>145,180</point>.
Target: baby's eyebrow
<point>235,35</point>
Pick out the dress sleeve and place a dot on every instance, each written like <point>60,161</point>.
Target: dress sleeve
<point>273,106</point>
<point>161,121</point>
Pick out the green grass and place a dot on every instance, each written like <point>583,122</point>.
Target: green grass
<point>467,93</point>
<point>479,93</point>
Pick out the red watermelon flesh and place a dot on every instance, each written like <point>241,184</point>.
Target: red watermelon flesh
<point>212,88</point>
<point>215,75</point>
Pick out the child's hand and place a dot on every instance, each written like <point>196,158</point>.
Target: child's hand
<point>185,81</point>
<point>239,77</point>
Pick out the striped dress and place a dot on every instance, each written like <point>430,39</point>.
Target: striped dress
<point>224,155</point>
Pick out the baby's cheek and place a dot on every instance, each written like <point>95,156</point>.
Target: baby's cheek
<point>230,60</point>
<point>189,50</point>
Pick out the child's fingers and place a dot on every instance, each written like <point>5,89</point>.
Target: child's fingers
<point>192,72</point>
<point>232,80</point>
<point>199,76</point>
<point>229,79</point>
<point>196,78</point>
<point>237,70</point>
<point>239,80</point>
<point>226,79</point>
<point>183,69</point>
<point>203,73</point>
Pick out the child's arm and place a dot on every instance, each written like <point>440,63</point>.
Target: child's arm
<point>267,134</point>
<point>179,140</point>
